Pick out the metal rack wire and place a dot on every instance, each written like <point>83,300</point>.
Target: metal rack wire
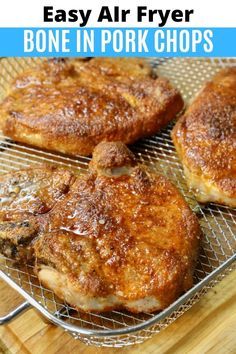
<point>218,223</point>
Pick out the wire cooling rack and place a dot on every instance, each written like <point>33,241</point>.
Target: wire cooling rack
<point>217,254</point>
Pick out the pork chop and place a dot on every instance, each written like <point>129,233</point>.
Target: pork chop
<point>205,140</point>
<point>119,237</point>
<point>122,237</point>
<point>70,105</point>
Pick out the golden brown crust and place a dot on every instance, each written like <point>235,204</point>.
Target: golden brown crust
<point>111,155</point>
<point>71,105</point>
<point>130,237</point>
<point>119,67</point>
<point>205,139</point>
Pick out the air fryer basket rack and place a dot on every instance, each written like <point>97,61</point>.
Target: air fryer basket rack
<point>218,223</point>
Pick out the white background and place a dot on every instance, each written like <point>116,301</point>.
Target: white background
<point>29,13</point>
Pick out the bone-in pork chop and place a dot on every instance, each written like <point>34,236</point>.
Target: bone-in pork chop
<point>70,105</point>
<point>123,237</point>
<point>119,237</point>
<point>205,139</point>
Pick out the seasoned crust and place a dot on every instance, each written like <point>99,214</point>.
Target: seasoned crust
<point>111,157</point>
<point>71,105</point>
<point>205,139</point>
<point>128,241</point>
<point>119,67</point>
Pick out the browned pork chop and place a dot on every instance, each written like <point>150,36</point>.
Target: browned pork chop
<point>70,105</point>
<point>123,237</point>
<point>205,139</point>
<point>119,237</point>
